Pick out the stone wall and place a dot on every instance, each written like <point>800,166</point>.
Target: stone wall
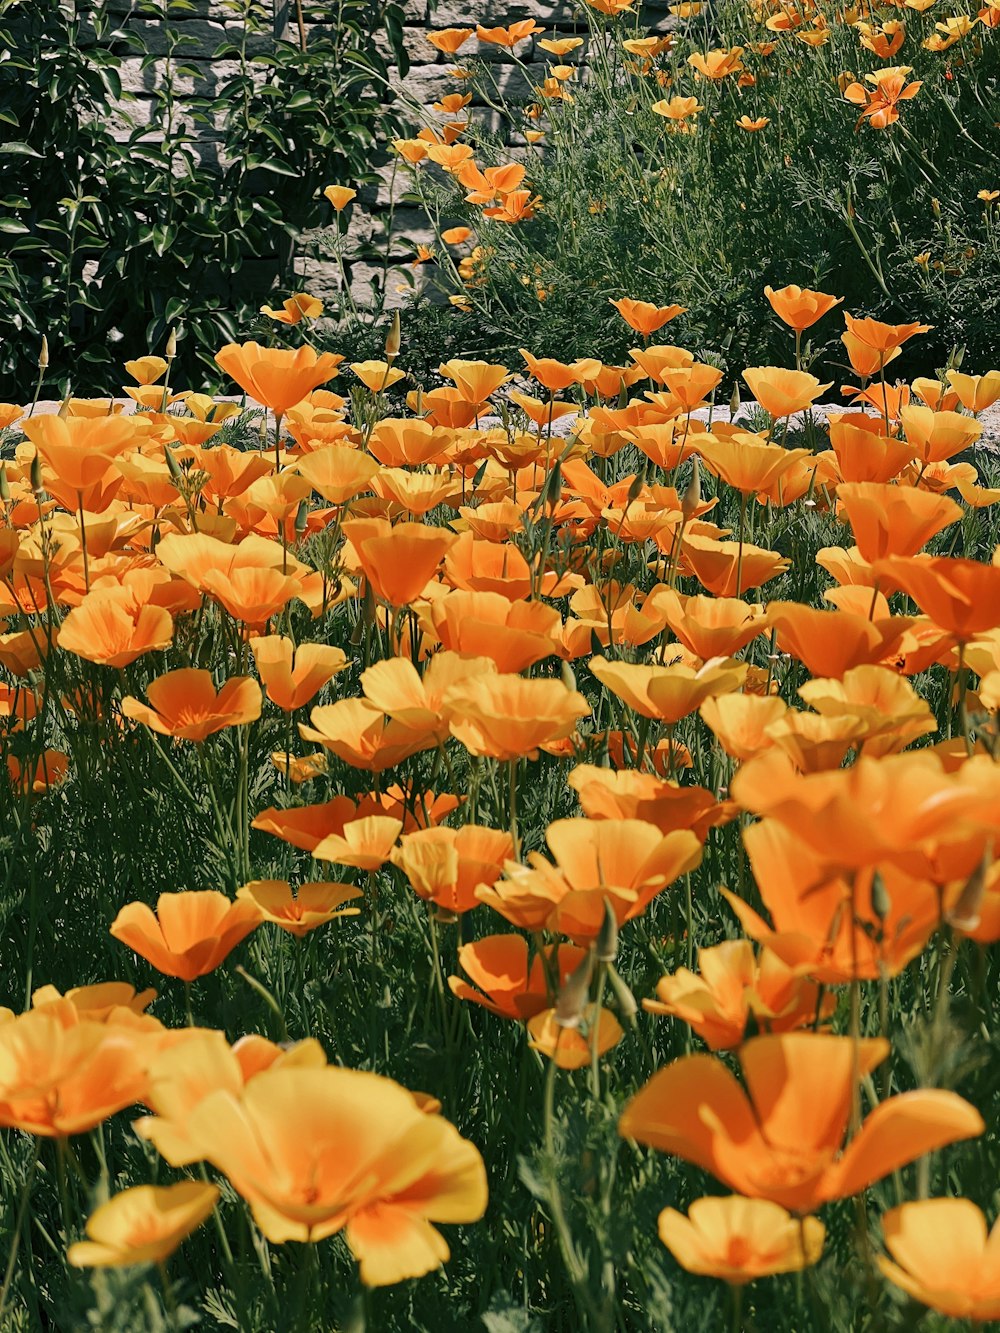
<point>208,24</point>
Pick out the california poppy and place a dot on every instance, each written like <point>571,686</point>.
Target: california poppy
<point>800,307</point>
<point>274,376</point>
<point>143,1225</point>
<point>782,1139</point>
<point>740,1240</point>
<point>446,866</point>
<point>191,932</point>
<point>506,717</point>
<point>507,986</point>
<point>184,704</point>
<point>294,674</point>
<point>943,1257</point>
<point>313,905</point>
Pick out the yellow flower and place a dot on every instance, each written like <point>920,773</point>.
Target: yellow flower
<point>745,123</point>
<point>340,196</point>
<point>143,1225</point>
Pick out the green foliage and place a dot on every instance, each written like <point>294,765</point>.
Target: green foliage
<point>117,226</point>
<point>706,213</point>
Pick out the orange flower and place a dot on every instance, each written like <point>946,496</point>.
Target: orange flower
<point>605,794</point>
<point>829,643</point>
<point>475,380</point>
<point>190,934</point>
<point>359,733</point>
<point>338,473</point>
<point>800,307</point>
<point>111,627</point>
<point>252,595</point>
<point>498,965</point>
<point>718,64</point>
<point>740,1240</point>
<point>734,989</point>
<point>275,377</point>
<point>314,905</point>
<point>366,834</point>
<point>863,452</point>
<point>555,375</point>
<point>722,566</point>
<point>944,1258</point>
<point>400,561</point>
<point>404,1169</point>
<point>446,866</point>
<point>782,1138</point>
<point>185,705</point>
<point>883,339</point>
<point>506,717</point>
<point>962,597</point>
<point>62,1073</point>
<point>976,392</point>
<point>297,308</point>
<point>667,693</point>
<point>449,40</point>
<point>485,624</point>
<point>573,1047</point>
<point>339,196</point>
<point>936,436</point>
<point>143,1225</point>
<point>894,520</point>
<point>293,675</point>
<point>881,103</point>
<point>621,862</point>
<point>783,392</point>
<point>748,463</point>
<point>645,317</point>
<point>509,36</point>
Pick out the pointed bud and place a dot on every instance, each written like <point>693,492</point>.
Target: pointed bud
<point>418,402</point>
<point>568,676</point>
<point>173,467</point>
<point>43,353</point>
<point>622,396</point>
<point>392,339</point>
<point>4,484</point>
<point>606,947</point>
<point>574,994</point>
<point>171,350</point>
<point>966,912</point>
<point>691,499</point>
<point>64,407</point>
<point>627,1006</point>
<point>301,518</point>
<point>734,403</point>
<point>36,474</point>
<point>635,490</point>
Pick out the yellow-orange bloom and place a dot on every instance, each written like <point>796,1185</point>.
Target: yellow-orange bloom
<point>800,307</point>
<point>740,1240</point>
<point>143,1225</point>
<point>191,932</point>
<point>319,1151</point>
<point>944,1258</point>
<point>274,376</point>
<point>184,704</point>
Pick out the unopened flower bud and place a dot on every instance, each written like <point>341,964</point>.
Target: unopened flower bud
<point>43,353</point>
<point>691,499</point>
<point>881,902</point>
<point>392,339</point>
<point>734,403</point>
<point>4,484</point>
<point>627,1006</point>
<point>36,475</point>
<point>574,994</point>
<point>966,912</point>
<point>173,467</point>
<point>301,518</point>
<point>568,675</point>
<point>606,946</point>
<point>171,350</point>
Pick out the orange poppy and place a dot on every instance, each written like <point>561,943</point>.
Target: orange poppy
<point>800,307</point>
<point>829,643</point>
<point>735,990</point>
<point>313,905</point>
<point>573,1047</point>
<point>359,733</point>
<point>782,1139</point>
<point>400,561</point>
<point>629,794</point>
<point>883,339</point>
<point>508,987</point>
<point>667,693</point>
<point>943,1257</point>
<point>446,866</point>
<point>190,934</point>
<point>293,674</point>
<point>740,1240</point>
<point>624,863</point>
<point>405,1168</point>
<point>723,566</point>
<point>276,377</point>
<point>337,472</point>
<point>513,635</point>
<point>709,626</point>
<point>111,627</point>
<point>783,392</point>
<point>863,452</point>
<point>184,704</point>
<point>746,462</point>
<point>506,717</point>
<point>62,1073</point>
<point>645,317</point>
<point>962,597</point>
<point>143,1225</point>
<point>935,437</point>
